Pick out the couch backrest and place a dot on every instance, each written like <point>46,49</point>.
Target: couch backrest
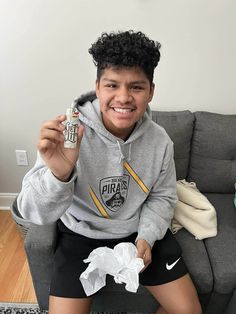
<point>179,126</point>
<point>213,154</point>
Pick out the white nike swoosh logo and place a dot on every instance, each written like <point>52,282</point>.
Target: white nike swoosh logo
<point>169,267</point>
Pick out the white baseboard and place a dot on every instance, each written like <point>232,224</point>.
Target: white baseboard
<point>6,200</point>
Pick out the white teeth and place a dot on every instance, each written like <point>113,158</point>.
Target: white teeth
<point>122,110</point>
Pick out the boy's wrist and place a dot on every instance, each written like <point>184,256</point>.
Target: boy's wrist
<point>65,178</point>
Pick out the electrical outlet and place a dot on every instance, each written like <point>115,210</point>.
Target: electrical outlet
<point>21,158</point>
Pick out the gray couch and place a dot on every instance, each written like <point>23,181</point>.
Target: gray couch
<point>205,152</point>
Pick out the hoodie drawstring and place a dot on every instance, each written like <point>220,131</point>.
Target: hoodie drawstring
<point>129,157</point>
<point>122,157</point>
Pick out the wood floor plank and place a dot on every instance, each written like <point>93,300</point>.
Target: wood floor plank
<point>15,279</point>
<point>24,279</point>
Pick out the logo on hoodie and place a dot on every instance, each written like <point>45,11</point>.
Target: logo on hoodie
<point>114,191</point>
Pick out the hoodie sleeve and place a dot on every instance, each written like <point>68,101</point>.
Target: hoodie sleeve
<point>43,198</point>
<point>158,209</point>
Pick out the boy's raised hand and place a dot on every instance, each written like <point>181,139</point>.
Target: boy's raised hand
<point>60,160</point>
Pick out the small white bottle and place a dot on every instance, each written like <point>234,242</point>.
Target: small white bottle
<point>71,126</point>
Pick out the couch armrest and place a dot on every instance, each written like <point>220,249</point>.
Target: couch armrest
<point>41,239</point>
<point>40,243</point>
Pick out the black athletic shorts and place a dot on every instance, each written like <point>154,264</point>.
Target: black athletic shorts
<point>167,264</point>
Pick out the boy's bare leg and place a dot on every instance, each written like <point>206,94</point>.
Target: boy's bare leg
<point>161,311</point>
<point>58,305</point>
<point>177,297</point>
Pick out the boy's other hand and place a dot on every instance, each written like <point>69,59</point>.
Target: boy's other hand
<point>144,252</point>
<point>61,161</point>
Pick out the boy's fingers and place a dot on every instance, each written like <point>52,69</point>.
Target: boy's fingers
<point>147,257</point>
<point>61,118</point>
<point>56,125</point>
<point>52,135</point>
<point>144,252</point>
<point>44,145</point>
<point>141,252</point>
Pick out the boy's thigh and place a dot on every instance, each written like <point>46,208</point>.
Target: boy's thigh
<point>58,305</point>
<point>178,296</point>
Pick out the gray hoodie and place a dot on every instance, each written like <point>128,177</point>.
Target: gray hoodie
<point>117,187</point>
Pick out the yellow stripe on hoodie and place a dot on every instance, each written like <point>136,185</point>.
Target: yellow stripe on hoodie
<point>136,177</point>
<point>98,204</point>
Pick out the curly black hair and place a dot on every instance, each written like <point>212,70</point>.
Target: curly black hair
<point>126,49</point>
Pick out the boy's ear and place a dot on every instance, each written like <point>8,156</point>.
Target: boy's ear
<point>152,88</point>
<point>97,88</point>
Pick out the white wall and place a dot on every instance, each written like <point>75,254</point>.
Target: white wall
<point>44,63</point>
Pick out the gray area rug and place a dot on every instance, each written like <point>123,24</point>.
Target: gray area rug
<point>29,308</point>
<point>20,308</point>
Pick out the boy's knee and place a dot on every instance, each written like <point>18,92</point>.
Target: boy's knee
<point>189,308</point>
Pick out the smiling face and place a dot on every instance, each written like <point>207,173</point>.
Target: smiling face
<point>124,94</point>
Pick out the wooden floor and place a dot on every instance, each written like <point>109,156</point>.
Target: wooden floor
<point>15,279</point>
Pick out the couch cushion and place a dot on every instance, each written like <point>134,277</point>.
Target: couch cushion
<point>179,126</point>
<point>197,261</point>
<point>232,304</point>
<point>222,248</point>
<point>213,155</point>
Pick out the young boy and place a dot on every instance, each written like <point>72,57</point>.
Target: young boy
<point>117,185</point>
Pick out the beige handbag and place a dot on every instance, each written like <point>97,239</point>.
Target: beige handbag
<point>194,212</point>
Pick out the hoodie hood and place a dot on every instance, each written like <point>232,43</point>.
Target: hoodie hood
<point>82,99</point>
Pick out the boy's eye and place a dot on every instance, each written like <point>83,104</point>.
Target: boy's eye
<point>137,87</point>
<point>111,85</point>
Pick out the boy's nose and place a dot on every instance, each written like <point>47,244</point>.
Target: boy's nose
<point>124,96</point>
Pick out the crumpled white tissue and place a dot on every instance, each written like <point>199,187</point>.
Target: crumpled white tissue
<point>121,262</point>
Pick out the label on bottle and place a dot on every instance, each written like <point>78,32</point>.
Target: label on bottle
<point>71,125</point>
